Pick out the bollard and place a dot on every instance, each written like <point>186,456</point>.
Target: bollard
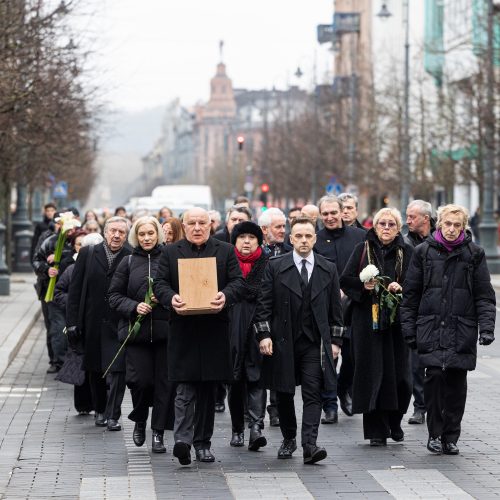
<point>4,272</point>
<point>22,260</point>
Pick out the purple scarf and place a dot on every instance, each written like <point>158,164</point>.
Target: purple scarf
<point>449,245</point>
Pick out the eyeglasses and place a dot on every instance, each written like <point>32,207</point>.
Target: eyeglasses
<point>390,225</point>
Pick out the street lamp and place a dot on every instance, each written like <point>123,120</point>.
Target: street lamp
<point>405,163</point>
<point>488,226</point>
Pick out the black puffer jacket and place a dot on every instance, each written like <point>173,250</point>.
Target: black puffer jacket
<point>128,288</point>
<point>447,295</point>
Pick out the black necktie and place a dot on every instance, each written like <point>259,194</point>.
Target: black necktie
<point>303,272</point>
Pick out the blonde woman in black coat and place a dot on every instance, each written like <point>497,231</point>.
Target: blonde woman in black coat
<point>382,380</point>
<point>146,352</point>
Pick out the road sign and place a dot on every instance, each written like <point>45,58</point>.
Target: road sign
<point>60,190</point>
<point>334,188</point>
<point>248,186</point>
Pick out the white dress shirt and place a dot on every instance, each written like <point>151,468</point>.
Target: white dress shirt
<point>309,263</point>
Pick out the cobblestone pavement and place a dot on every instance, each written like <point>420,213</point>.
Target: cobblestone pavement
<point>47,451</point>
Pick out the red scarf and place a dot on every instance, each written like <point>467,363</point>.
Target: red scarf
<point>247,261</point>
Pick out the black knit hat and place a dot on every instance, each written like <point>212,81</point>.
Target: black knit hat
<point>246,227</point>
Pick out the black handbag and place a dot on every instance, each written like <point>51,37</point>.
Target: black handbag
<point>72,371</point>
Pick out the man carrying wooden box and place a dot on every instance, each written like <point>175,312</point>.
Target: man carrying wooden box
<point>198,277</point>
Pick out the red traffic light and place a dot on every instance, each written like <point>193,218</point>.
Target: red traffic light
<point>241,141</point>
<point>264,188</point>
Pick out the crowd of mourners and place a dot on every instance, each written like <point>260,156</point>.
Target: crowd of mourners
<point>361,316</point>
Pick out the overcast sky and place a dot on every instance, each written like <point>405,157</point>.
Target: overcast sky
<point>151,51</point>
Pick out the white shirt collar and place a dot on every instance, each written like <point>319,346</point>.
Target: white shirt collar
<point>298,259</point>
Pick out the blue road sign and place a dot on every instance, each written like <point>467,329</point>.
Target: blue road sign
<point>60,190</point>
<point>334,188</point>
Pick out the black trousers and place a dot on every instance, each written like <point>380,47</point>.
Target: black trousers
<point>445,395</point>
<point>272,408</point>
<point>243,391</point>
<point>418,374</point>
<point>147,379</point>
<point>308,368</point>
<point>221,393</point>
<point>104,401</point>
<point>82,396</point>
<point>195,413</point>
<point>378,424</point>
<point>346,372</point>
<point>57,339</point>
<point>46,320</point>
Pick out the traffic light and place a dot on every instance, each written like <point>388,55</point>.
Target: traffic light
<point>264,189</point>
<point>241,141</point>
<point>384,200</point>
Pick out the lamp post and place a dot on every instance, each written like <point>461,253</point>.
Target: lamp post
<point>405,153</point>
<point>488,226</point>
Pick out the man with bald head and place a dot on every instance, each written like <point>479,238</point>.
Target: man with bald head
<point>198,350</point>
<point>312,212</point>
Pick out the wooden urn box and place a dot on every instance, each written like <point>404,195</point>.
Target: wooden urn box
<point>197,285</point>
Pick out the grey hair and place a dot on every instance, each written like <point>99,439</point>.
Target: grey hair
<point>116,218</point>
<point>242,209</point>
<point>215,214</point>
<point>92,239</point>
<point>189,210</point>
<point>348,196</point>
<point>266,217</point>
<point>452,209</point>
<point>141,221</point>
<point>393,212</point>
<point>424,207</point>
<point>329,198</point>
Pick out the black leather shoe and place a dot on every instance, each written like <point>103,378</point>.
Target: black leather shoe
<point>346,404</point>
<point>450,449</point>
<point>238,439</point>
<point>331,417</point>
<point>434,445</point>
<point>288,446</point>
<point>52,369</point>
<point>114,425</point>
<point>182,451</point>
<point>100,420</point>
<point>417,418</point>
<point>220,407</point>
<point>204,455</point>
<point>157,445</point>
<point>139,434</point>
<point>274,421</point>
<point>313,453</point>
<point>257,440</point>
<point>378,442</point>
<point>398,435</point>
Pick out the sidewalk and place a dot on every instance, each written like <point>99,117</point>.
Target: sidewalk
<point>18,313</point>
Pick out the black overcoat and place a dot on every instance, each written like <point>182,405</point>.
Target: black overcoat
<point>448,298</point>
<point>97,322</point>
<point>276,316</point>
<point>247,359</point>
<point>198,346</point>
<point>382,378</point>
<point>129,287</point>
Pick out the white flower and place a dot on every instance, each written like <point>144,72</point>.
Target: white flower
<point>368,273</point>
<point>67,221</point>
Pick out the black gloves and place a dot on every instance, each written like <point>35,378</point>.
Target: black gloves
<point>486,338</point>
<point>411,342</point>
<point>73,334</point>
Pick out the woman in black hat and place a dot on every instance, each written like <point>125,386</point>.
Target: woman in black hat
<point>247,239</point>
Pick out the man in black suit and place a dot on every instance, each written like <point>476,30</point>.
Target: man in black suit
<point>298,323</point>
<point>88,315</point>
<point>199,350</point>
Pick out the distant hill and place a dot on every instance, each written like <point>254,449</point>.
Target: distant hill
<point>125,138</point>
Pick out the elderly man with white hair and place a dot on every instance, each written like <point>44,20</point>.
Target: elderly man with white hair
<point>199,350</point>
<point>273,225</point>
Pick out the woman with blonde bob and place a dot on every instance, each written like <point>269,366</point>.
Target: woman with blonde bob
<point>146,351</point>
<point>448,300</point>
<point>382,381</point>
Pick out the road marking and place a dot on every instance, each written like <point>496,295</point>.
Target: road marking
<point>138,483</point>
<point>275,485</point>
<point>409,484</point>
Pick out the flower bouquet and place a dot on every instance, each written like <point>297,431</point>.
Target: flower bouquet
<point>68,222</point>
<point>384,299</point>
<point>133,330</point>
